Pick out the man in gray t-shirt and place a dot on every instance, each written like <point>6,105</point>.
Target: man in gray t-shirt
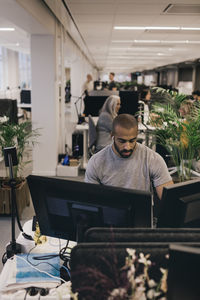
<point>126,163</point>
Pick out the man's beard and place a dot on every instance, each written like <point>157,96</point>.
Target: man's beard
<point>121,153</point>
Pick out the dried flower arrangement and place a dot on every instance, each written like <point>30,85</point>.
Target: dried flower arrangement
<point>131,282</point>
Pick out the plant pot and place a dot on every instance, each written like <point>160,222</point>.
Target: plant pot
<point>22,198</point>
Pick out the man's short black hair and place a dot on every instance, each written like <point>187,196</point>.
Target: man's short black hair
<point>113,74</point>
<point>125,121</point>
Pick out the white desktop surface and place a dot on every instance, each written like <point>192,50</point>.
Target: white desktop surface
<point>51,245</point>
<point>24,105</point>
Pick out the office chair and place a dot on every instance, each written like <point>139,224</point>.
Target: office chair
<point>92,136</point>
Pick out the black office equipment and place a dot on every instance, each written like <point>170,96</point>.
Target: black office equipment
<point>8,108</point>
<point>183,273</point>
<point>129,102</point>
<point>180,205</point>
<point>25,96</point>
<point>65,209</point>
<point>77,144</point>
<point>10,157</point>
<point>93,104</point>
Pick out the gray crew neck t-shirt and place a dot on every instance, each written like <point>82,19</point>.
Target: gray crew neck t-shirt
<point>136,172</point>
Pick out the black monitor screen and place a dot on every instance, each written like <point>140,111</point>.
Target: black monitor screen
<point>180,205</point>
<point>93,104</point>
<point>25,96</point>
<point>65,209</point>
<point>129,102</point>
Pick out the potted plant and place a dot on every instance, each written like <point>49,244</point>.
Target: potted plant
<point>177,134</point>
<point>21,136</point>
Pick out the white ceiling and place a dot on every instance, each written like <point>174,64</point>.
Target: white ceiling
<point>17,40</point>
<point>116,50</point>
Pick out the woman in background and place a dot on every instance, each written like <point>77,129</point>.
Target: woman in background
<point>108,112</point>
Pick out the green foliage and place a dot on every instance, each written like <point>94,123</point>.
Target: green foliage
<point>168,97</point>
<point>180,137</point>
<point>21,136</point>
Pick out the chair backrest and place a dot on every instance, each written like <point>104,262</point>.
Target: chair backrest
<point>92,133</point>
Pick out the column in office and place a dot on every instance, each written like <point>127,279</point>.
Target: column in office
<point>76,86</point>
<point>45,112</point>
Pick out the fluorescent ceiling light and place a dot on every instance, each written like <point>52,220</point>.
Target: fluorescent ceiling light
<point>155,28</point>
<point>145,28</point>
<point>190,28</point>
<point>7,29</point>
<point>157,42</point>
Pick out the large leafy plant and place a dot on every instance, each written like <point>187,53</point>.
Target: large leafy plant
<point>21,136</point>
<point>180,137</point>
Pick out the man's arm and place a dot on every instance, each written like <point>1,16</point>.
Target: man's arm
<point>159,189</point>
<point>91,175</point>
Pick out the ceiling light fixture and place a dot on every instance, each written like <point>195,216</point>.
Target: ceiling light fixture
<point>7,29</point>
<point>190,28</point>
<point>155,28</point>
<point>156,42</point>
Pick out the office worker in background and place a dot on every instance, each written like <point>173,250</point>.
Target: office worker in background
<point>196,95</point>
<point>112,84</point>
<point>145,105</point>
<point>108,112</point>
<point>126,163</point>
<point>88,86</point>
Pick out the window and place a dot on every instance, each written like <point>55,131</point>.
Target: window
<point>25,70</point>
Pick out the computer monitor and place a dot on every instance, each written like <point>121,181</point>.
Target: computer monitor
<point>183,273</point>
<point>25,96</point>
<point>65,209</point>
<point>129,102</point>
<point>93,104</point>
<point>180,205</point>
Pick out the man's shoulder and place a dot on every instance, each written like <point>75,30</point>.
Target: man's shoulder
<point>102,153</point>
<point>148,151</point>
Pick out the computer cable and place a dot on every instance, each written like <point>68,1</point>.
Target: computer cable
<point>42,257</point>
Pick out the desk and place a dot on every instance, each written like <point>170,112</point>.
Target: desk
<point>52,245</point>
<point>24,105</point>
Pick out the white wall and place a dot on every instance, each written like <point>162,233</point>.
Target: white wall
<point>44,103</point>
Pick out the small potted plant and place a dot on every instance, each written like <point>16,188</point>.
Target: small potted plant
<point>21,136</point>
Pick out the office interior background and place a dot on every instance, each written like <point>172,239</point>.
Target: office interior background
<point>48,43</point>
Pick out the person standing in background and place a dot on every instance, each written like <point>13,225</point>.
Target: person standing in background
<point>89,84</point>
<point>112,84</point>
